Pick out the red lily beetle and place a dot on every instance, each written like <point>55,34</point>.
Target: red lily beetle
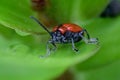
<point>66,33</point>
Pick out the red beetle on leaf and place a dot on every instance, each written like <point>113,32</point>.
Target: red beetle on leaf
<point>66,33</point>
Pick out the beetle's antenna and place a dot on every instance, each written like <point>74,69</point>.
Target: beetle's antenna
<point>40,24</point>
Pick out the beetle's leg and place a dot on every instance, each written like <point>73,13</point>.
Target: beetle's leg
<point>73,46</point>
<point>88,36</point>
<point>48,52</point>
<point>91,40</point>
<point>88,40</point>
<point>54,46</point>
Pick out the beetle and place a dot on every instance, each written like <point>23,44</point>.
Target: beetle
<point>66,33</point>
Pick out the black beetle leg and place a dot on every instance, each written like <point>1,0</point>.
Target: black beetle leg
<point>88,36</point>
<point>73,46</point>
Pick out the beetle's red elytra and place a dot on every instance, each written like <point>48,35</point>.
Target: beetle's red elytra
<point>66,33</point>
<point>68,26</point>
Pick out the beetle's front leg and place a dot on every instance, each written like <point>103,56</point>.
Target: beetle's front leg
<point>49,49</point>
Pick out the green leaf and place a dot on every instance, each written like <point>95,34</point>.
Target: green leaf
<point>20,57</point>
<point>19,60</point>
<point>107,31</point>
<point>21,32</point>
<point>108,72</point>
<point>16,15</point>
<point>76,10</point>
<point>91,9</point>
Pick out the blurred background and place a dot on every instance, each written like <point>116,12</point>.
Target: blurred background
<point>22,40</point>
